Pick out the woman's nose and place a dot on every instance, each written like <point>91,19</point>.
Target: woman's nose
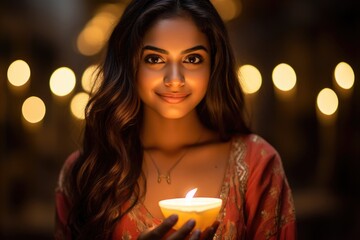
<point>174,76</point>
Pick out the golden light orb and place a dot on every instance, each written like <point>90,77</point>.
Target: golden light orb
<point>227,9</point>
<point>250,79</point>
<point>33,109</point>
<point>92,39</point>
<point>327,101</point>
<point>18,73</point>
<point>344,75</point>
<point>89,78</point>
<point>78,104</point>
<point>284,77</point>
<point>62,81</point>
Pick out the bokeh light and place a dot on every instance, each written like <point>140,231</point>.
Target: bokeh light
<point>62,81</point>
<point>78,104</point>
<point>250,79</point>
<point>344,75</point>
<point>284,77</point>
<point>96,32</point>
<point>33,109</point>
<point>91,40</point>
<point>327,101</point>
<point>89,78</point>
<point>228,9</point>
<point>18,73</point>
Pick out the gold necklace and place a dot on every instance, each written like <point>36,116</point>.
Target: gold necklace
<point>166,176</point>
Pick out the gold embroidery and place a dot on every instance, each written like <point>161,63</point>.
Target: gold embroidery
<point>255,138</point>
<point>280,218</point>
<point>126,236</point>
<point>228,230</point>
<point>235,183</point>
<point>265,215</point>
<point>290,201</point>
<point>263,152</point>
<point>240,165</point>
<point>274,193</point>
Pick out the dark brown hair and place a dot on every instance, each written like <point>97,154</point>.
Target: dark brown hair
<point>105,176</point>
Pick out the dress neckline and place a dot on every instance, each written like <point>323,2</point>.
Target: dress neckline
<point>223,194</point>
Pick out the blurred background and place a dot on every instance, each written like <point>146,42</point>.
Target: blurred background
<point>299,61</point>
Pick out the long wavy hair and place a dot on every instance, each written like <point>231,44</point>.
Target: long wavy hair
<point>105,177</point>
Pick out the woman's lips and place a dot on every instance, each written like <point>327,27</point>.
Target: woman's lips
<point>173,97</point>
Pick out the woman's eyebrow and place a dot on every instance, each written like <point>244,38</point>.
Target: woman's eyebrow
<point>198,47</point>
<point>163,51</point>
<point>156,49</point>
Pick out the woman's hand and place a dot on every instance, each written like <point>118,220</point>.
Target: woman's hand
<point>209,232</point>
<point>161,231</point>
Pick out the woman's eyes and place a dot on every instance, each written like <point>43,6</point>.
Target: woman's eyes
<point>156,59</point>
<point>194,59</point>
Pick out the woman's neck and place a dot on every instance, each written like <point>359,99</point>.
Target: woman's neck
<point>171,135</point>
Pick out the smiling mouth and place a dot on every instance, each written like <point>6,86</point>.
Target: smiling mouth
<point>173,98</point>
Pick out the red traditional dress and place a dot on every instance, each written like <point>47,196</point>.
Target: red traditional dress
<point>257,200</point>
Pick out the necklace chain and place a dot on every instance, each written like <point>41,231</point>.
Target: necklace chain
<point>166,176</point>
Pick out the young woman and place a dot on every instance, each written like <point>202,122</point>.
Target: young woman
<point>167,118</point>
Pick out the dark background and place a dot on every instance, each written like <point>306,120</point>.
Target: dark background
<point>322,162</point>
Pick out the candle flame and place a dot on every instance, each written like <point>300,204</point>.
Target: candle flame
<point>191,194</point>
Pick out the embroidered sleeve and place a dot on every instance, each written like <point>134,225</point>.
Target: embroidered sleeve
<point>269,207</point>
<point>61,202</point>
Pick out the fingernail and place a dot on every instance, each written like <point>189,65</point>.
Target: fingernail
<point>197,233</point>
<point>173,219</point>
<point>190,223</point>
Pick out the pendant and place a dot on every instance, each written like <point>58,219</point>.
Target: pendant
<point>167,177</point>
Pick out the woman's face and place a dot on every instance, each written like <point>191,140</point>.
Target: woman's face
<point>174,69</point>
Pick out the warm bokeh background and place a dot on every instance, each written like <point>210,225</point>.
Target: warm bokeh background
<point>321,154</point>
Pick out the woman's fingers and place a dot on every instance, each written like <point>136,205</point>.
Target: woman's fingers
<point>161,230</point>
<point>184,231</point>
<point>210,231</point>
<point>195,235</point>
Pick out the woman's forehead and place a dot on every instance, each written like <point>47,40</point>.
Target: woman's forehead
<point>173,33</point>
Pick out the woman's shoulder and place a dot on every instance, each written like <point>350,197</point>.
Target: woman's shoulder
<point>68,163</point>
<point>253,151</point>
<point>255,158</point>
<point>72,158</point>
<point>255,144</point>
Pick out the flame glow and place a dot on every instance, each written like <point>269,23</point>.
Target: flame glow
<point>191,194</point>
